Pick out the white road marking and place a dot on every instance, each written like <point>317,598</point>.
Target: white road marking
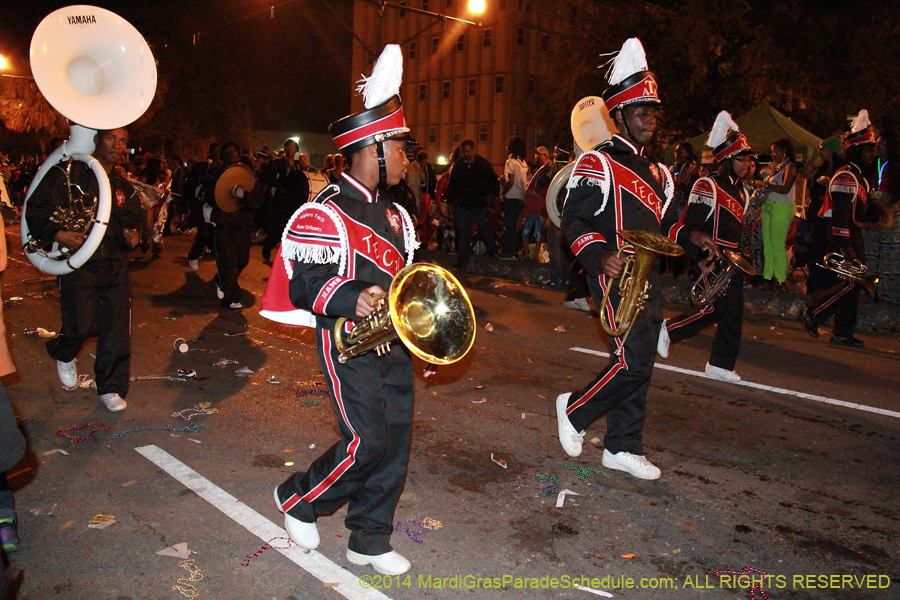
<point>314,563</point>
<point>766,388</point>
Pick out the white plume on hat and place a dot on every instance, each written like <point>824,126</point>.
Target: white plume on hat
<point>627,62</point>
<point>859,122</point>
<point>723,126</point>
<point>386,77</point>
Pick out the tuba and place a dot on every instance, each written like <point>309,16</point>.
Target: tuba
<point>97,70</point>
<point>427,309</point>
<point>591,125</point>
<point>710,286</point>
<point>851,270</point>
<point>633,284</point>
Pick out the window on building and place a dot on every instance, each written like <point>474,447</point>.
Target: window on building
<point>371,58</point>
<point>483,133</point>
<point>423,91</point>
<point>425,5</point>
<point>445,89</point>
<point>402,12</point>
<point>412,50</point>
<point>486,38</point>
<point>545,42</point>
<point>516,129</point>
<point>520,36</point>
<point>461,43</point>
<point>435,44</point>
<point>457,133</point>
<point>498,84</point>
<point>470,88</point>
<point>432,135</point>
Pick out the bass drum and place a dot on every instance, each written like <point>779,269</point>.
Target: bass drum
<point>317,183</point>
<point>304,185</point>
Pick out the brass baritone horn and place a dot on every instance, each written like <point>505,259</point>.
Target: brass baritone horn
<point>633,284</point>
<point>852,270</point>
<point>710,286</point>
<point>427,309</point>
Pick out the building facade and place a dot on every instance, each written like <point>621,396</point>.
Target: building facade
<point>462,81</point>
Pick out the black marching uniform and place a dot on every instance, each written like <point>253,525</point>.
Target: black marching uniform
<point>232,236</point>
<point>845,207</point>
<point>196,187</point>
<point>286,188</point>
<point>613,187</point>
<point>336,246</point>
<point>715,206</point>
<point>95,300</point>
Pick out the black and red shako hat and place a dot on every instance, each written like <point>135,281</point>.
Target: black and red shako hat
<point>630,80</point>
<point>383,122</point>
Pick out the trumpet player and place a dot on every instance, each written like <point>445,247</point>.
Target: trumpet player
<point>614,187</point>
<point>712,220</point>
<point>95,299</point>
<point>845,208</point>
<point>338,252</point>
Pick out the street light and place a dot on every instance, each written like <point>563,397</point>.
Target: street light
<point>2,62</point>
<point>476,7</point>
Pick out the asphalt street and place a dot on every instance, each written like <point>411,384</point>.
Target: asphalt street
<point>798,489</point>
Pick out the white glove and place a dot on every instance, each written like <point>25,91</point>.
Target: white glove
<point>238,192</point>
<point>207,214</point>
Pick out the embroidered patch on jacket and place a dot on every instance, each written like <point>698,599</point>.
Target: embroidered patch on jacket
<point>394,220</point>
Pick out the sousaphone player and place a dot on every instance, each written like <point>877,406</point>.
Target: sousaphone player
<point>95,299</point>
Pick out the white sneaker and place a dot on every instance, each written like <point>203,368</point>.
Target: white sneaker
<point>391,563</point>
<point>662,344</point>
<point>113,402</point>
<point>722,374</point>
<point>304,534</point>
<point>635,464</point>
<point>219,293</point>
<point>578,304</point>
<point>68,373</point>
<point>570,439</point>
<point>194,265</point>
<point>235,305</point>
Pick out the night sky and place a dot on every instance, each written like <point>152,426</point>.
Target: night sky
<point>287,73</point>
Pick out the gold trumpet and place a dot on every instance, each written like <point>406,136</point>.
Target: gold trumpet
<point>850,269</point>
<point>427,309</point>
<point>710,286</point>
<point>633,284</point>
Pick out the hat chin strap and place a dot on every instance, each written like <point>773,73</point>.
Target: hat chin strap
<point>628,128</point>
<point>382,166</point>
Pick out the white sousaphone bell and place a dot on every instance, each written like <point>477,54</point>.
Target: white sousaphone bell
<point>591,125</point>
<point>97,70</point>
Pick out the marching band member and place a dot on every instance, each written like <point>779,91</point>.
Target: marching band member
<point>713,217</point>
<point>845,206</point>
<point>339,251</point>
<point>96,298</point>
<point>615,186</point>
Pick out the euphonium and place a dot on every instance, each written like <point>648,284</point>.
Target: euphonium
<point>710,286</point>
<point>633,284</point>
<point>850,269</point>
<point>427,309</point>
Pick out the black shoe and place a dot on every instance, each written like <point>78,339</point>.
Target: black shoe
<point>809,322</point>
<point>839,340</point>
